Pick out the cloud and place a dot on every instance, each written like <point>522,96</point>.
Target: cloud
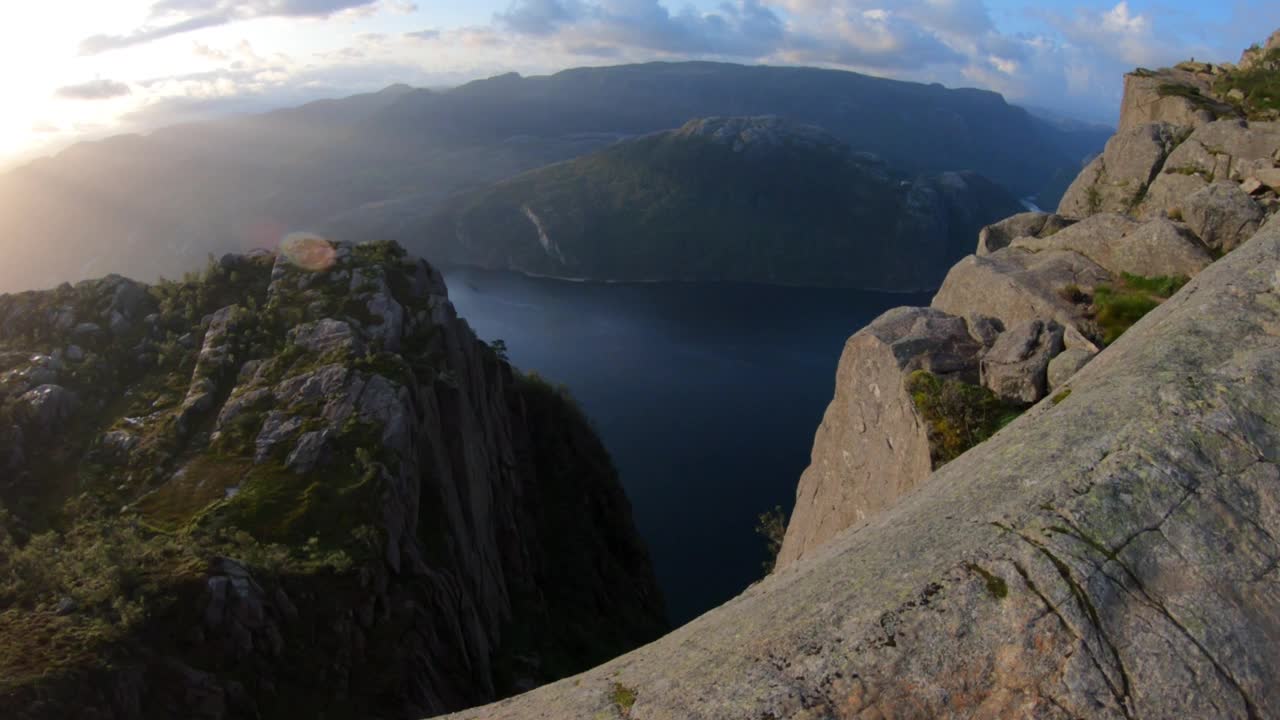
<point>424,35</point>
<point>100,89</point>
<point>176,17</point>
<point>747,28</point>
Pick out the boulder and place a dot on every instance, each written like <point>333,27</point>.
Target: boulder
<point>278,428</point>
<point>1116,180</point>
<point>1123,245</point>
<point>74,353</point>
<point>1016,368</point>
<point>1015,285</point>
<point>872,446</point>
<point>1167,191</point>
<point>1067,364</point>
<point>87,333</point>
<point>1268,177</point>
<point>1217,150</point>
<point>213,364</point>
<point>46,408</point>
<point>1222,215</point>
<point>1030,224</point>
<point>310,450</point>
<point>327,335</point>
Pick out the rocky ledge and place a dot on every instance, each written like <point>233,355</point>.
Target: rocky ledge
<point>295,485</point>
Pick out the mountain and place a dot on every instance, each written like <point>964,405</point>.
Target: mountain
<point>1054,492</point>
<point>380,165</point>
<point>296,486</point>
<point>737,199</point>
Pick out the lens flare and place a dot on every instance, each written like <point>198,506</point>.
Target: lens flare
<point>308,251</point>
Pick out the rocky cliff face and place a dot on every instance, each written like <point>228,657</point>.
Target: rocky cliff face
<point>747,199</point>
<point>297,485</point>
<point>1052,494</point>
<point>1162,201</point>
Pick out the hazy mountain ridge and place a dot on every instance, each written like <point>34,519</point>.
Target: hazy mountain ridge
<point>723,199</point>
<point>377,165</point>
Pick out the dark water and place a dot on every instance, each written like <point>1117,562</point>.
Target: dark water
<point>708,397</point>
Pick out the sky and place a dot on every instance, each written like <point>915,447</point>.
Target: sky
<point>80,69</point>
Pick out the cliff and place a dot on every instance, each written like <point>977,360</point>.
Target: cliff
<point>756,199</point>
<point>294,485</point>
<point>1050,494</point>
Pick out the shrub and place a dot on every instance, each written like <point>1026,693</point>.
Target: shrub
<point>959,415</point>
<point>772,526</point>
<point>1116,308</point>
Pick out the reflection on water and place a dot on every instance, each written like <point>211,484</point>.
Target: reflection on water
<point>707,396</point>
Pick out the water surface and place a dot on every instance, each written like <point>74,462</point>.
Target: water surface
<point>707,396</point>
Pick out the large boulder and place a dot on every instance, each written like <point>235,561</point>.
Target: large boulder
<point>1222,215</point>
<point>1225,150</point>
<point>1016,368</point>
<point>1069,362</point>
<point>45,409</point>
<point>1016,285</point>
<point>872,446</point>
<point>1028,224</point>
<point>1121,244</point>
<point>1116,180</point>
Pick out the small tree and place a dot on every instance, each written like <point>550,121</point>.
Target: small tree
<point>772,526</point>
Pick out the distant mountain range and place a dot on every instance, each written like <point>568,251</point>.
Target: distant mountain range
<point>383,164</point>
<point>742,199</point>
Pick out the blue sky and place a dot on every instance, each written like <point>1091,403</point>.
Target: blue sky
<point>86,68</point>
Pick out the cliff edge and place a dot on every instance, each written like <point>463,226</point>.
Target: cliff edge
<point>295,485</point>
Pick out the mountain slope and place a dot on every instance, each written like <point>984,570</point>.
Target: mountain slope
<point>740,199</point>
<point>295,486</point>
<point>381,164</point>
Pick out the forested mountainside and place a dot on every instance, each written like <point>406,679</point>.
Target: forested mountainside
<point>723,199</point>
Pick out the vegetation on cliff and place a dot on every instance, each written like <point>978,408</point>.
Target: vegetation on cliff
<point>291,484</point>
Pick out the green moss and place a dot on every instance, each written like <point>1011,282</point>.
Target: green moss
<point>996,585</point>
<point>1093,198</point>
<point>201,483</point>
<point>1061,395</point>
<point>1119,306</point>
<point>958,415</point>
<point>623,698</point>
<point>1260,86</point>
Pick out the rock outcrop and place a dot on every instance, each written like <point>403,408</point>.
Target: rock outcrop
<point>311,491</point>
<point>873,446</point>
<point>1023,225</point>
<point>1109,554</point>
